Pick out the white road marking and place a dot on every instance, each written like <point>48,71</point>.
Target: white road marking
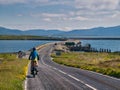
<point>26,84</point>
<point>106,76</point>
<point>52,58</point>
<point>62,72</point>
<point>55,68</point>
<point>73,77</point>
<point>69,75</point>
<point>44,63</point>
<point>76,79</point>
<point>91,87</point>
<point>25,87</point>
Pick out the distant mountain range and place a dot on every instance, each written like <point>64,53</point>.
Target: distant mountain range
<point>99,31</point>
<point>36,32</point>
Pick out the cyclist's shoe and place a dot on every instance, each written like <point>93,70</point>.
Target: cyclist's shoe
<point>31,72</point>
<point>36,72</point>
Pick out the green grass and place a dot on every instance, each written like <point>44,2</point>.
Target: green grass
<point>12,72</point>
<point>105,63</point>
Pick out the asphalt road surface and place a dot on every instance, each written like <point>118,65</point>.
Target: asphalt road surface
<point>52,76</point>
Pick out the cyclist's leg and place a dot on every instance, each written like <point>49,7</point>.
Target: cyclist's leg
<point>32,67</point>
<point>35,66</point>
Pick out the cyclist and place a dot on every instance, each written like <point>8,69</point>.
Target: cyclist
<point>34,57</point>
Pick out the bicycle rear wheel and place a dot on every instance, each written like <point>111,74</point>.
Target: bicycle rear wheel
<point>34,72</point>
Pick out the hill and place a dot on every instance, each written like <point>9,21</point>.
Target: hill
<point>6,31</point>
<point>36,32</point>
<point>41,32</point>
<point>99,31</point>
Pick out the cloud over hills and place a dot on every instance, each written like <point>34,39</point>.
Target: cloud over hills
<point>55,14</point>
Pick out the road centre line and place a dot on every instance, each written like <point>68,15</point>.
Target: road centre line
<point>82,82</point>
<point>69,75</point>
<point>62,72</point>
<point>74,78</point>
<point>91,87</point>
<point>77,80</point>
<point>55,68</point>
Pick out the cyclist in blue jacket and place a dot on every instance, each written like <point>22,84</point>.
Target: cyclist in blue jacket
<point>34,57</point>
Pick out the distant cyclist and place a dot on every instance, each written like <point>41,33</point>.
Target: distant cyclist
<point>34,57</point>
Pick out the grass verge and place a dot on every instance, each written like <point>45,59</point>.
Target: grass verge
<point>12,72</point>
<point>105,63</point>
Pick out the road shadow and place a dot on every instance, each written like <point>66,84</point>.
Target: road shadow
<point>29,76</point>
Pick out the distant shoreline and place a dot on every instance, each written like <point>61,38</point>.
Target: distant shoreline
<point>31,37</point>
<point>28,37</point>
<point>98,38</point>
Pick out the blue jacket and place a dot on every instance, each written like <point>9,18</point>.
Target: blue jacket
<point>34,55</point>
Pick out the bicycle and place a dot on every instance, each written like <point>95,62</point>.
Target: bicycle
<point>34,70</point>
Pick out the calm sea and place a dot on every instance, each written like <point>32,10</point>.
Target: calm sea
<point>114,45</point>
<point>24,45</point>
<point>19,45</point>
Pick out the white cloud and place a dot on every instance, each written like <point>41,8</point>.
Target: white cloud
<point>19,15</point>
<point>48,16</point>
<point>65,12</point>
<point>78,4</point>
<point>35,15</point>
<point>47,19</point>
<point>53,15</point>
<point>116,15</point>
<point>69,16</point>
<point>96,4</point>
<point>57,2</point>
<point>12,1</point>
<point>24,1</point>
<point>94,9</point>
<point>40,1</point>
<point>66,28</point>
<point>79,18</point>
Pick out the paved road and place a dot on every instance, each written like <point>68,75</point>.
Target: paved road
<point>53,76</point>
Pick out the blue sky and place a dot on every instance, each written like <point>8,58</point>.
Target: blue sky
<point>59,14</point>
